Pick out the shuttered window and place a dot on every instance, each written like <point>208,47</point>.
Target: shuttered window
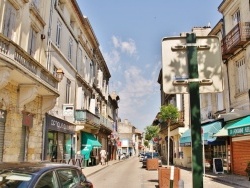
<point>241,76</point>
<point>9,20</point>
<point>32,42</point>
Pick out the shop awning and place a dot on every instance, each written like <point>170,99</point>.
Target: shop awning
<point>239,126</point>
<point>224,131</point>
<point>88,142</point>
<point>208,134</point>
<point>185,139</point>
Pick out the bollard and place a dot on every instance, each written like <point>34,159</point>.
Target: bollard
<point>181,184</point>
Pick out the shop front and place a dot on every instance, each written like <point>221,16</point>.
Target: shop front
<point>90,149</point>
<point>213,147</point>
<point>239,132</point>
<point>59,140</point>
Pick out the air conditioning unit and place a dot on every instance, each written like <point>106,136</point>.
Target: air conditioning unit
<point>68,110</point>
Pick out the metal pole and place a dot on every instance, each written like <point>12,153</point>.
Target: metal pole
<point>197,165</point>
<point>168,141</point>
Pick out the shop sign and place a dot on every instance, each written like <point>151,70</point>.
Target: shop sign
<point>239,131</point>
<point>59,125</point>
<point>27,119</point>
<point>3,116</point>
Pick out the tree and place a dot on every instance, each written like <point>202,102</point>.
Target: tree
<point>168,113</point>
<point>151,132</point>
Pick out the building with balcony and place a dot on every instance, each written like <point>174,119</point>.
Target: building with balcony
<point>235,38</point>
<point>27,88</point>
<point>54,97</point>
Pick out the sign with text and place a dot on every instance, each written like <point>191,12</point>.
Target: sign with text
<point>56,124</point>
<point>239,131</point>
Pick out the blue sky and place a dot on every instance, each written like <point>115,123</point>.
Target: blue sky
<point>129,33</point>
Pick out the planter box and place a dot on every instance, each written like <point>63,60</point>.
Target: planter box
<point>164,177</point>
<point>152,164</point>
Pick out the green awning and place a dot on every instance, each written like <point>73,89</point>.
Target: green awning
<point>88,142</point>
<point>185,139</point>
<point>241,127</point>
<point>208,134</point>
<point>224,131</point>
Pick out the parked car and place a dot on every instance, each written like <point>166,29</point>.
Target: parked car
<point>150,155</point>
<point>42,175</point>
<point>141,156</point>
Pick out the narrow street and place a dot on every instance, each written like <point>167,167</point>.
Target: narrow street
<point>129,173</point>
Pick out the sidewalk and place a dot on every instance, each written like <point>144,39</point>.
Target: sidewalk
<point>234,180</point>
<point>88,171</point>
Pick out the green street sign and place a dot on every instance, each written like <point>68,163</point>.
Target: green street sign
<point>239,130</point>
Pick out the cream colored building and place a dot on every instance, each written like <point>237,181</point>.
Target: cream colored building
<point>53,82</point>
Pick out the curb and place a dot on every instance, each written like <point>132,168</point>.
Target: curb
<point>225,181</point>
<point>102,168</point>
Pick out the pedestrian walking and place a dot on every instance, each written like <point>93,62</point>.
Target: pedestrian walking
<point>103,154</point>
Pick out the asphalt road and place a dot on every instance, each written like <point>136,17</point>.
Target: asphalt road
<point>130,174</point>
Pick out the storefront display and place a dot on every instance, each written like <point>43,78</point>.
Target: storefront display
<point>59,141</point>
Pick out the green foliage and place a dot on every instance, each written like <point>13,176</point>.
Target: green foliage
<point>168,113</point>
<point>146,143</point>
<point>151,132</point>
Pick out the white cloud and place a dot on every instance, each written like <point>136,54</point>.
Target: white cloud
<point>128,47</point>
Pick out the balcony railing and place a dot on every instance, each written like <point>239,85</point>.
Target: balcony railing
<point>16,56</point>
<point>106,122</point>
<point>174,125</point>
<point>85,116</point>
<point>235,39</point>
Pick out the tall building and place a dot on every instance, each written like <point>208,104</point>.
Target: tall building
<point>54,97</point>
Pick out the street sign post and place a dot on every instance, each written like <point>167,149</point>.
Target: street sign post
<point>192,65</point>
<point>175,69</point>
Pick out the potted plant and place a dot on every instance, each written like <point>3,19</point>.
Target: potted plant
<point>248,170</point>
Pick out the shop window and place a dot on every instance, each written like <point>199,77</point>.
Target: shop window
<point>52,146</point>
<point>67,146</point>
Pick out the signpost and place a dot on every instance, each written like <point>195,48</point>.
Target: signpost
<point>192,65</point>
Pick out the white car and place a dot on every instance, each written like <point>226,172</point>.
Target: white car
<point>141,156</point>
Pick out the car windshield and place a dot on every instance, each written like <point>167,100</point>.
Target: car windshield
<point>14,180</point>
<point>149,155</point>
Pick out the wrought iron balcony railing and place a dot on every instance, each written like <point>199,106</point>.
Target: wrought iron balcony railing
<point>106,122</point>
<point>17,57</point>
<point>85,116</point>
<point>235,39</point>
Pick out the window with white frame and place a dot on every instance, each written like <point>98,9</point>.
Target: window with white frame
<point>9,20</point>
<point>236,17</point>
<point>68,86</point>
<point>58,33</point>
<point>70,50</point>
<point>32,42</point>
<point>241,76</point>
